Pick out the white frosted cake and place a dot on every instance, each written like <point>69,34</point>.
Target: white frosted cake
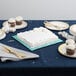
<point>37,36</point>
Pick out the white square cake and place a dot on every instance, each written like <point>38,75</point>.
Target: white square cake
<point>37,37</point>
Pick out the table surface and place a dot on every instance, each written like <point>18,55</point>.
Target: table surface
<point>49,56</point>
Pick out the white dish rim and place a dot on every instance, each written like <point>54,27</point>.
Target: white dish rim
<point>59,50</point>
<point>67,25</point>
<point>17,26</point>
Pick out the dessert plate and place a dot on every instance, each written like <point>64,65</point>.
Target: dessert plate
<point>23,25</point>
<point>12,56</point>
<point>62,51</point>
<point>3,35</point>
<point>56,25</point>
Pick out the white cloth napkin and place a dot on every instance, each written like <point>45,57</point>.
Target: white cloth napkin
<point>10,56</point>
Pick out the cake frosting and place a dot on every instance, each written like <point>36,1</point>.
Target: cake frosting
<point>71,47</point>
<point>11,20</point>
<point>19,18</point>
<point>37,36</point>
<point>70,41</point>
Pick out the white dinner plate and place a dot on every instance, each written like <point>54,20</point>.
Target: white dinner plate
<point>56,25</point>
<point>62,51</point>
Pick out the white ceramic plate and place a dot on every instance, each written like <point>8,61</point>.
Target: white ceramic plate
<point>23,25</point>
<point>56,25</point>
<point>62,51</point>
<point>4,55</point>
<point>3,35</point>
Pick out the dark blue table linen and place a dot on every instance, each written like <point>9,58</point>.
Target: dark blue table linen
<point>49,56</point>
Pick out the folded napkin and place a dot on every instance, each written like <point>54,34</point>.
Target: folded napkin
<point>14,54</point>
<point>3,59</point>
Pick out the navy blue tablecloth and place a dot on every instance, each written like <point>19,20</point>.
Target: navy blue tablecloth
<point>49,56</point>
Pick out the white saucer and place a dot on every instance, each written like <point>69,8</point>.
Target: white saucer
<point>72,29</point>
<point>23,25</point>
<point>62,51</point>
<point>56,25</point>
<point>3,35</point>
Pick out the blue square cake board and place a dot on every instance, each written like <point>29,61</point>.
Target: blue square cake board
<point>34,48</point>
